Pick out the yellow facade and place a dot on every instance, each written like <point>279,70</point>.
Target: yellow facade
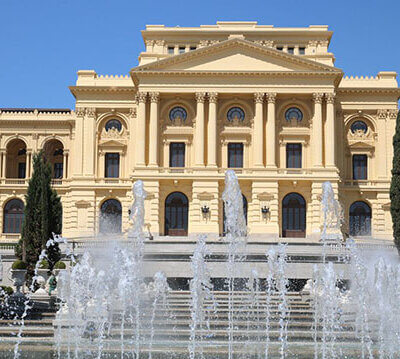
<point>296,120</point>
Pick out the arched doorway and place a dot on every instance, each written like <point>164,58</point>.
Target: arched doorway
<point>294,216</point>
<point>176,214</point>
<point>360,219</point>
<point>245,206</point>
<point>54,154</point>
<point>110,217</point>
<point>16,159</point>
<point>13,216</point>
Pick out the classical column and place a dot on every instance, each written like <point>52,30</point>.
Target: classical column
<point>212,130</point>
<point>317,130</point>
<point>3,164</point>
<point>64,175</point>
<point>199,130</point>
<point>258,145</point>
<point>330,135</point>
<point>141,130</point>
<point>28,165</point>
<point>89,141</point>
<point>153,129</point>
<point>270,130</point>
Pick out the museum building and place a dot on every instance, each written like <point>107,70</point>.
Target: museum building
<point>267,102</point>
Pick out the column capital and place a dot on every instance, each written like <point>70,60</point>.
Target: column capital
<point>259,97</point>
<point>90,111</point>
<point>200,96</point>
<point>213,97</point>
<point>80,111</point>
<point>330,97</point>
<point>271,97</point>
<point>154,97</point>
<point>141,97</point>
<point>317,97</point>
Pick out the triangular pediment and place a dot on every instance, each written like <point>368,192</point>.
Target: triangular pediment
<point>361,145</point>
<point>236,55</point>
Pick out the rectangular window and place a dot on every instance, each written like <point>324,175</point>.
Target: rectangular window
<point>112,165</point>
<point>192,48</point>
<point>360,167</point>
<point>280,48</point>
<point>21,169</point>
<point>293,155</point>
<point>235,155</point>
<point>302,50</point>
<point>182,49</point>
<point>171,50</point>
<point>58,170</point>
<point>177,154</point>
<point>290,50</point>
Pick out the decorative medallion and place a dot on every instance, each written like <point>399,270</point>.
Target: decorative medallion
<point>359,127</point>
<point>235,115</point>
<point>293,114</point>
<point>178,115</point>
<point>113,124</point>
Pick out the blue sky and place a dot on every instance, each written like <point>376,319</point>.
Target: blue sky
<point>44,42</point>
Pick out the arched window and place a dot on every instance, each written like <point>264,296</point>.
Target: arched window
<point>359,126</point>
<point>178,114</point>
<point>113,124</point>
<point>110,217</point>
<point>245,206</point>
<point>176,214</point>
<point>53,153</point>
<point>293,216</point>
<point>293,114</point>
<point>16,159</point>
<point>235,114</point>
<point>360,219</point>
<point>13,216</point>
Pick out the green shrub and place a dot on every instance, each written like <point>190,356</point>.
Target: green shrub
<point>6,290</point>
<point>18,264</point>
<point>44,264</point>
<point>60,265</point>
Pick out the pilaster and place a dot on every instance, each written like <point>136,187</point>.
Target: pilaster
<point>270,134</point>
<point>330,135</point>
<point>141,130</point>
<point>212,130</point>
<point>258,144</point>
<point>153,129</point>
<point>317,133</point>
<point>199,130</point>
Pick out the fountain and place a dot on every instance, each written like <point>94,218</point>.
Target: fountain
<point>110,307</point>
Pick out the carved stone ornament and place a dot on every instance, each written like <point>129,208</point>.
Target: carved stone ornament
<point>154,97</point>
<point>259,97</point>
<point>213,97</point>
<point>91,112</point>
<point>271,97</point>
<point>317,97</point>
<point>141,97</point>
<point>382,114</point>
<point>132,112</point>
<point>80,111</point>
<point>393,114</point>
<point>200,97</point>
<point>112,133</point>
<point>330,98</point>
<point>160,42</point>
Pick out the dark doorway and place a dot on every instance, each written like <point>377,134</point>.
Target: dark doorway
<point>176,214</point>
<point>110,217</point>
<point>294,216</point>
<point>360,219</point>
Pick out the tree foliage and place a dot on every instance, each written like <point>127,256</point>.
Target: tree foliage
<point>43,216</point>
<point>395,185</point>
